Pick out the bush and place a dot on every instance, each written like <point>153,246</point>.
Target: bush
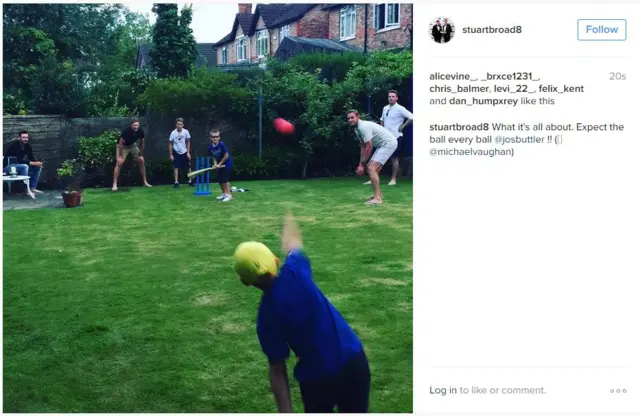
<point>248,167</point>
<point>160,170</point>
<point>208,95</point>
<point>14,104</point>
<point>96,156</point>
<point>329,68</point>
<point>71,176</point>
<point>98,152</point>
<point>275,164</point>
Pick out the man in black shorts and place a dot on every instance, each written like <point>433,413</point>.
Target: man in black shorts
<point>128,143</point>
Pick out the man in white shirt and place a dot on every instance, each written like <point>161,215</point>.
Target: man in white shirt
<point>179,149</point>
<point>372,135</point>
<point>395,118</point>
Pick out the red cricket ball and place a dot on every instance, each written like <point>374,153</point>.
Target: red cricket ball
<point>283,126</point>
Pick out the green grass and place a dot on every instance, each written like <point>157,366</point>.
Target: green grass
<point>130,303</point>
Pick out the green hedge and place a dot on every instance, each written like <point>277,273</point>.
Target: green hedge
<point>313,91</point>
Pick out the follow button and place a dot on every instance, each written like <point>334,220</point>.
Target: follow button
<point>602,30</point>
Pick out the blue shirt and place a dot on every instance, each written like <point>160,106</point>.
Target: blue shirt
<point>295,315</point>
<point>218,151</point>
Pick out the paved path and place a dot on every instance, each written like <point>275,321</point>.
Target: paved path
<point>48,199</point>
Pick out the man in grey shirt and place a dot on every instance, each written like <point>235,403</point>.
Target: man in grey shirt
<point>372,135</point>
<point>395,118</point>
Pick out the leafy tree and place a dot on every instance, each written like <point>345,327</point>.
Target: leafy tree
<point>35,46</point>
<point>119,82</point>
<point>82,33</point>
<point>55,54</point>
<point>174,50</point>
<point>56,88</point>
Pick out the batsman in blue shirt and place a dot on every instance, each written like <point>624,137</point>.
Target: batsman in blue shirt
<point>294,315</point>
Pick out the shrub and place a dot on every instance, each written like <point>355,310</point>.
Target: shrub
<point>248,167</point>
<point>160,170</point>
<point>14,104</point>
<point>71,175</point>
<point>98,152</point>
<point>329,68</point>
<point>206,94</point>
<point>275,164</point>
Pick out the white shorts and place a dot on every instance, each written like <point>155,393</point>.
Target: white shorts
<point>382,154</point>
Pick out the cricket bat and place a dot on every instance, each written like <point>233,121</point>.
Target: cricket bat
<point>199,171</point>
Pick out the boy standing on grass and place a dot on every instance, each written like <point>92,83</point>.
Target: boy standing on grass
<point>219,151</point>
<point>332,367</point>
<point>179,150</point>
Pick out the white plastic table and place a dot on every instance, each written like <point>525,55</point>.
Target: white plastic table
<point>25,179</point>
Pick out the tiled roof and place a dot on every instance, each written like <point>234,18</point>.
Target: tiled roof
<point>270,13</point>
<point>328,44</point>
<point>293,45</point>
<point>334,5</point>
<point>206,55</point>
<point>225,39</point>
<point>245,20</point>
<point>273,15</point>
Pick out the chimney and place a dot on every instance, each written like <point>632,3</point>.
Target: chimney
<point>244,8</point>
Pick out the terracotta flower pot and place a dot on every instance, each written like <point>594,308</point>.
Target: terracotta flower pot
<point>72,199</point>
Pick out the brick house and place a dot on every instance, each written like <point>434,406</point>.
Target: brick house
<point>371,27</point>
<point>255,36</point>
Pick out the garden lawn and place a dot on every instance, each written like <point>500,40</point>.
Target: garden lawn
<point>130,303</point>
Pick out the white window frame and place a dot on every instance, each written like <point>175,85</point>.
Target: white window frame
<point>225,55</point>
<point>348,12</point>
<point>262,36</point>
<point>241,41</point>
<point>387,25</point>
<point>284,32</point>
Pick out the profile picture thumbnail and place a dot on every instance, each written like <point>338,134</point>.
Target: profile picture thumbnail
<point>442,30</point>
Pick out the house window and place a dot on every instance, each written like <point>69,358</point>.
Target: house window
<point>225,56</point>
<point>241,48</point>
<point>263,43</point>
<point>348,22</point>
<point>387,15</point>
<point>285,31</point>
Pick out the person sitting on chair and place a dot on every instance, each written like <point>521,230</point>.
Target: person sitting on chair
<point>26,164</point>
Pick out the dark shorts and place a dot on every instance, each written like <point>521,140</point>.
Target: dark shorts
<point>348,390</point>
<point>398,152</point>
<point>180,161</point>
<point>223,174</point>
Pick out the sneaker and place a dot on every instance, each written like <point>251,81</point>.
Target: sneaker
<point>227,198</point>
<point>366,183</point>
<point>392,183</point>
<point>36,191</point>
<point>221,197</point>
<point>176,185</point>
<point>373,202</point>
